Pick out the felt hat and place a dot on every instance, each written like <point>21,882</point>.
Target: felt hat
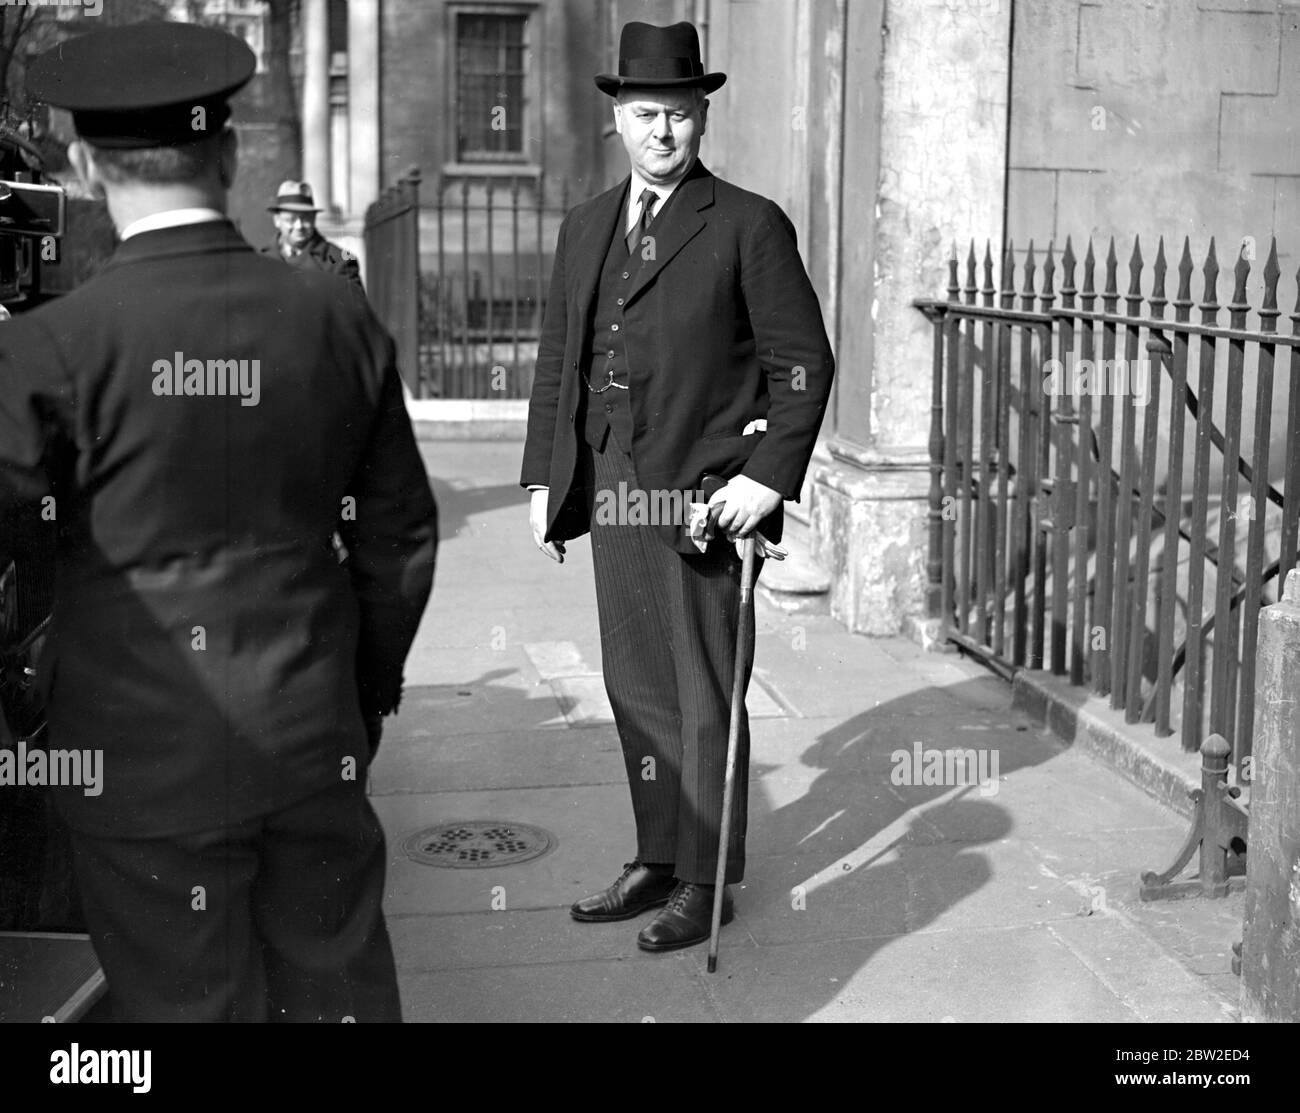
<point>659,58</point>
<point>294,197</point>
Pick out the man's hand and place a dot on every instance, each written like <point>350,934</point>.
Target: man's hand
<point>537,518</point>
<point>747,504</point>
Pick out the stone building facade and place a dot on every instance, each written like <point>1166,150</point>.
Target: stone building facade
<point>477,96</point>
<point>882,130</point>
<point>934,122</point>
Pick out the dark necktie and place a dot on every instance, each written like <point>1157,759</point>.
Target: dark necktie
<point>649,198</point>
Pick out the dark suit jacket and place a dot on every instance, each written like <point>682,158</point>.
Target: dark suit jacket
<point>717,328</point>
<point>321,255</point>
<point>206,637</point>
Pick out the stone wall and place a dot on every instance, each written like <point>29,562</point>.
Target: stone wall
<point>775,127</point>
<point>1174,118</point>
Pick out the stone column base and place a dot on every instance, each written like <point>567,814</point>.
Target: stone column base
<point>869,531</point>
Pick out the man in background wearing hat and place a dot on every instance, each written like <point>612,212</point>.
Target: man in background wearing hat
<point>298,242</point>
<point>207,642</point>
<point>682,341</point>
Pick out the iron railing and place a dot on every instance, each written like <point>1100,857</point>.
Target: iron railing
<point>482,303</point>
<point>392,236</point>
<point>1094,511</point>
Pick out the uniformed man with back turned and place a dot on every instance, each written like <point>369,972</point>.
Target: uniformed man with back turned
<point>197,422</point>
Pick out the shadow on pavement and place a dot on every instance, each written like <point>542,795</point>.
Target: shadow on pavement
<point>456,505</point>
<point>842,860</point>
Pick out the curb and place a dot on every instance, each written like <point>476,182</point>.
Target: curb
<point>1080,718</point>
<point>469,419</point>
<point>469,431</point>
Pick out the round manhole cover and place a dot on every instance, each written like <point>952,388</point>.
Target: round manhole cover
<point>477,844</point>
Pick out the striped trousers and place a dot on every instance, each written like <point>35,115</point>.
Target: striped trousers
<point>668,625</point>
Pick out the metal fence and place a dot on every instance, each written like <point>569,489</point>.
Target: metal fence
<point>392,237</point>
<point>482,302</point>
<point>1096,512</point>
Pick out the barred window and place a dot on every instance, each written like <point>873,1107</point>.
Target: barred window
<point>490,86</point>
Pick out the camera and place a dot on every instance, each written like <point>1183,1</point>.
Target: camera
<point>33,218</point>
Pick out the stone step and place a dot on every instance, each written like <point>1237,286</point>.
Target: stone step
<point>797,584</point>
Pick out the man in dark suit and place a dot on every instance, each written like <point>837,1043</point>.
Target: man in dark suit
<point>196,422</point>
<point>297,240</point>
<point>682,346</point>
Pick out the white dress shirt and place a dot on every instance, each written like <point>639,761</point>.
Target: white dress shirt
<point>639,186</point>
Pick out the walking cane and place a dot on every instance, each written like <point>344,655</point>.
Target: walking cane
<point>744,648</point>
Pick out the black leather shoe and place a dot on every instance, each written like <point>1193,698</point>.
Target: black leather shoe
<point>637,889</point>
<point>686,919</point>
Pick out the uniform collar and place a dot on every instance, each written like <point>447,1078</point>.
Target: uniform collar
<point>186,239</point>
<point>171,218</point>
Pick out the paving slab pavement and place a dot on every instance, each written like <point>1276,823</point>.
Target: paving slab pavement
<point>1014,899</point>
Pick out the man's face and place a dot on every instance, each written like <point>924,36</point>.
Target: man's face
<point>295,229</point>
<point>661,129</point>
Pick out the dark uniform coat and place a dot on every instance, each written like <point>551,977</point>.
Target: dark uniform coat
<point>721,327</point>
<point>321,255</point>
<point>206,637</point>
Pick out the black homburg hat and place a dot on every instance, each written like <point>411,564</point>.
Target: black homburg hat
<point>144,84</point>
<point>659,57</point>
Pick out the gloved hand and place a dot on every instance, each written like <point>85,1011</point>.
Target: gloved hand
<point>702,528</point>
